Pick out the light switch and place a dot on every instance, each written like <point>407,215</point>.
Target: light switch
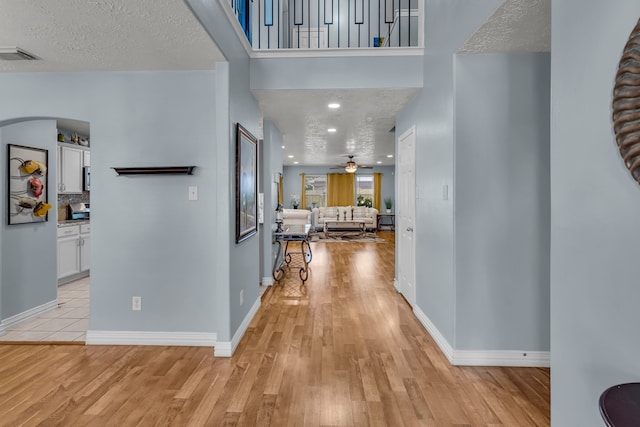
<point>193,192</point>
<point>445,192</point>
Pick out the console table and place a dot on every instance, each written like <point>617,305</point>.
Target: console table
<point>620,405</point>
<point>339,226</point>
<point>293,258</point>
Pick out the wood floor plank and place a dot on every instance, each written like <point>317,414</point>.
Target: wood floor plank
<point>344,349</point>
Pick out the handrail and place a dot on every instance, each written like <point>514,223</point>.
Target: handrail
<point>329,24</point>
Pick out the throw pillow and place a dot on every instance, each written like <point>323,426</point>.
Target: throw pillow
<point>360,212</point>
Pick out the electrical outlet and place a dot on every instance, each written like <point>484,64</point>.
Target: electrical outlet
<point>241,296</point>
<point>136,303</point>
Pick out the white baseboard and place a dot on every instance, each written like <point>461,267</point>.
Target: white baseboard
<point>537,359</point>
<point>523,359</point>
<point>396,285</point>
<point>445,347</point>
<point>226,348</point>
<point>196,339</point>
<point>267,281</point>
<point>26,315</point>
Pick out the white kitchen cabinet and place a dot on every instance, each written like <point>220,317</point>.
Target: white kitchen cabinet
<point>85,247</point>
<point>73,250</point>
<point>87,157</point>
<point>71,161</point>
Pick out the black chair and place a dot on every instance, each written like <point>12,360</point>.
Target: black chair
<point>620,405</point>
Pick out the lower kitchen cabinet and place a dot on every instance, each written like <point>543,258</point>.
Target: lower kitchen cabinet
<point>74,250</point>
<point>85,247</point>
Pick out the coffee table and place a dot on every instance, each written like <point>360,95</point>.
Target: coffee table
<point>341,227</point>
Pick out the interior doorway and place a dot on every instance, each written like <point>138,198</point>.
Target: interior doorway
<point>54,305</point>
<point>406,191</point>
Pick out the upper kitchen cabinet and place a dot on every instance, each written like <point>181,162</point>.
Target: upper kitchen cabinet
<point>71,161</point>
<point>73,155</point>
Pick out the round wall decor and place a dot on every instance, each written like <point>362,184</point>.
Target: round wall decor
<point>626,104</point>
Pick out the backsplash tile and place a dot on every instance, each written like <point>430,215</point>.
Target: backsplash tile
<point>65,199</point>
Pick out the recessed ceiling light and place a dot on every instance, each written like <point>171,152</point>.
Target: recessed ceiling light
<point>283,146</point>
<point>332,130</point>
<point>290,156</point>
<point>389,155</point>
<point>334,105</point>
<point>379,162</point>
<point>295,163</point>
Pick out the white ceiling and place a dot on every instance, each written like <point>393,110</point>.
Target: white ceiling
<point>132,35</point>
<point>515,26</point>
<point>105,35</point>
<point>363,123</point>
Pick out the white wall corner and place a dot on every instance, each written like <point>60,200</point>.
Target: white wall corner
<point>514,358</point>
<point>195,339</point>
<point>444,346</point>
<point>26,315</point>
<point>267,281</point>
<point>396,285</point>
<point>225,348</point>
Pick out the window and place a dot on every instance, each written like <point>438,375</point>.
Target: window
<point>364,190</point>
<point>315,190</point>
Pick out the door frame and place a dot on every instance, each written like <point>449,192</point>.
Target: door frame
<point>411,299</point>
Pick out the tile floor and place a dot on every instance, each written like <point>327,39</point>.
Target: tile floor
<point>68,322</point>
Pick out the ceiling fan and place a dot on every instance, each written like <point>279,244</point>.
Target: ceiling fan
<point>351,166</point>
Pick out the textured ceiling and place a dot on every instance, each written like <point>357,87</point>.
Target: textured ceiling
<point>362,123</point>
<point>128,35</point>
<point>105,35</point>
<point>515,26</point>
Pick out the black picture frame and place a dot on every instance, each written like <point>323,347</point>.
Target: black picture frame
<point>28,184</point>
<point>246,184</point>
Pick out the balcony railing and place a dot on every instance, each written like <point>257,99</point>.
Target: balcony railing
<point>330,24</point>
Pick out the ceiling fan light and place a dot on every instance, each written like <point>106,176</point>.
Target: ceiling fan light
<point>351,167</point>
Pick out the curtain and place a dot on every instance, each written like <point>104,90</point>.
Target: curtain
<point>303,198</point>
<point>280,196</point>
<point>377,180</point>
<point>340,189</point>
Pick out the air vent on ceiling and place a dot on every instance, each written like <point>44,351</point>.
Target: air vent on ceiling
<point>16,54</point>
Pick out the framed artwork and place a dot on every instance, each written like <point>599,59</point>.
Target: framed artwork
<point>246,184</point>
<point>28,183</point>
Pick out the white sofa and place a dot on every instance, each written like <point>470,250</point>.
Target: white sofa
<point>370,215</point>
<point>296,216</point>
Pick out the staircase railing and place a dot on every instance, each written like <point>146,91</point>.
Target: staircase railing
<point>330,24</point>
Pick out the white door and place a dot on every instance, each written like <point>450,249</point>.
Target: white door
<point>406,192</point>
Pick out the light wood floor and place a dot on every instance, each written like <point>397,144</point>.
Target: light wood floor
<point>344,349</point>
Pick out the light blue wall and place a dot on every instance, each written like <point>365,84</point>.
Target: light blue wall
<point>448,24</point>
<point>147,238</point>
<point>3,208</point>
<point>28,251</point>
<point>243,258</point>
<point>292,184</point>
<point>337,73</point>
<point>272,158</point>
<point>502,202</point>
<point>594,216</point>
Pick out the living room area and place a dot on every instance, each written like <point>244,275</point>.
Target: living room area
<point>339,204</point>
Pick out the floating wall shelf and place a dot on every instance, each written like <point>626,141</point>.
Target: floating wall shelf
<point>155,170</point>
